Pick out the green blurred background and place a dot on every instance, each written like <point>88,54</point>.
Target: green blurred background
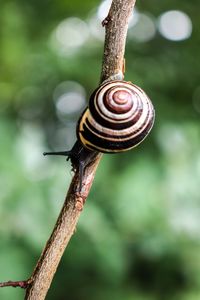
<point>139,235</point>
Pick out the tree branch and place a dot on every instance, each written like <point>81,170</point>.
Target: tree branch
<point>116,24</point>
<point>21,284</point>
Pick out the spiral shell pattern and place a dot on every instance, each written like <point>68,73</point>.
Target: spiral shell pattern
<point>120,115</point>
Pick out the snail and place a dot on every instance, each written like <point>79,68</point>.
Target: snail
<point>119,117</point>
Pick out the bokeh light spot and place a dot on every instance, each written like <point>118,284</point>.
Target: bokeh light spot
<point>175,25</point>
<point>103,9</point>
<point>69,97</point>
<point>96,29</point>
<point>144,28</point>
<point>134,18</point>
<point>70,35</point>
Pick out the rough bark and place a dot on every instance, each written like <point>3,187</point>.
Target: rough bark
<point>116,24</point>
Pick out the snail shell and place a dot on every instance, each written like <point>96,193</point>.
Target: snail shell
<point>119,117</point>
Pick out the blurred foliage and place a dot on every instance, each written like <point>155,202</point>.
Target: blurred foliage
<point>139,235</point>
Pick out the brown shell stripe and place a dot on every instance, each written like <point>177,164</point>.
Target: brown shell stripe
<point>119,117</point>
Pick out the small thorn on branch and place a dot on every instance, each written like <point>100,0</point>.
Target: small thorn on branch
<point>22,284</point>
<point>106,20</point>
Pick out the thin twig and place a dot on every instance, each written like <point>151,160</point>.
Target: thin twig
<point>116,25</point>
<point>22,284</point>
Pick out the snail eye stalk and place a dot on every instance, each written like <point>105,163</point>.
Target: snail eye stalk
<point>63,153</point>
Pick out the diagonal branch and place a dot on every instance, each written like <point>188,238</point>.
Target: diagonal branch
<point>115,39</point>
<point>116,24</point>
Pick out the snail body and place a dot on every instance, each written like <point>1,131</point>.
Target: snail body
<point>118,118</point>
